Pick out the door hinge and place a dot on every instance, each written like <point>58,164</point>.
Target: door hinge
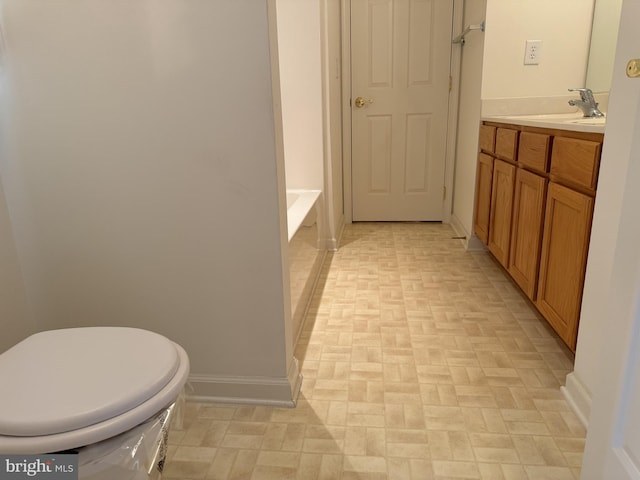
<point>444,192</point>
<point>450,82</point>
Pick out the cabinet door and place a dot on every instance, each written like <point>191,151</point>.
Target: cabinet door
<point>526,230</point>
<point>500,216</point>
<point>484,178</point>
<point>567,227</point>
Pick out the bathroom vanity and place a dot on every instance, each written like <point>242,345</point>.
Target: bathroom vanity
<point>535,189</point>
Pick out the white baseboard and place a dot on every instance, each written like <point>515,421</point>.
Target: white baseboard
<point>299,313</point>
<point>332,244</point>
<point>328,244</point>
<point>456,224</point>
<point>471,242</point>
<point>578,398</point>
<point>339,232</point>
<point>271,391</point>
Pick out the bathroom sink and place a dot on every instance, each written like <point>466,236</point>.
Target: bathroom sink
<point>568,121</point>
<point>549,117</point>
<point>590,121</point>
<point>562,118</point>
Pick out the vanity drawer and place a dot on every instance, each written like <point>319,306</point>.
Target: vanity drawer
<point>533,151</point>
<point>487,138</point>
<point>575,162</point>
<point>507,144</point>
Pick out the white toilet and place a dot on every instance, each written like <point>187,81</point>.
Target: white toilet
<point>65,389</point>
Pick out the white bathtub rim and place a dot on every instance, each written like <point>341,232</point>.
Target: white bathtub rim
<point>303,204</point>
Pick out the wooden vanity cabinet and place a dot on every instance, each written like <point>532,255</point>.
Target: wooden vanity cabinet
<point>538,186</point>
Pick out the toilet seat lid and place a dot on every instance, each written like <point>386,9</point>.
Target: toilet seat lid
<point>62,380</point>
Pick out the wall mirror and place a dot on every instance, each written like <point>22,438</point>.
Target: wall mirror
<point>604,36</point>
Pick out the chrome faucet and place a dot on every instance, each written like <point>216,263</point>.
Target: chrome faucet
<point>586,103</point>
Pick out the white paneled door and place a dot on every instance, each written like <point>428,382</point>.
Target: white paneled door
<point>400,59</point>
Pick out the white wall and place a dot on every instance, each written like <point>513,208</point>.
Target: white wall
<point>309,49</point>
<point>564,28</point>
<point>468,119</point>
<point>299,54</point>
<point>15,321</point>
<point>141,173</point>
<point>332,74</point>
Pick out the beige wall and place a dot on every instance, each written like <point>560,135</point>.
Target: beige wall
<point>143,168</point>
<point>15,322</point>
<point>564,28</point>
<point>603,45</point>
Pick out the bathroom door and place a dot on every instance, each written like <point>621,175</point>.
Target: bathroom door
<point>400,59</point>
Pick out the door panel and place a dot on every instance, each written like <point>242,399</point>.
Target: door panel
<point>416,169</point>
<point>380,153</point>
<point>420,14</point>
<point>400,66</point>
<point>380,70</point>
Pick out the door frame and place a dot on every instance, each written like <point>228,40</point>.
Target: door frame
<point>452,115</point>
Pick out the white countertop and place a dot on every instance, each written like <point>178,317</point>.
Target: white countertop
<point>561,121</point>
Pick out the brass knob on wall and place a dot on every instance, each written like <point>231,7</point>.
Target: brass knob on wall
<point>633,68</point>
<point>360,102</point>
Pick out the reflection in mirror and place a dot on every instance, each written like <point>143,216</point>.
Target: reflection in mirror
<point>604,36</point>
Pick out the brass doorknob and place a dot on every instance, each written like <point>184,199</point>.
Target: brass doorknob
<point>361,101</point>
